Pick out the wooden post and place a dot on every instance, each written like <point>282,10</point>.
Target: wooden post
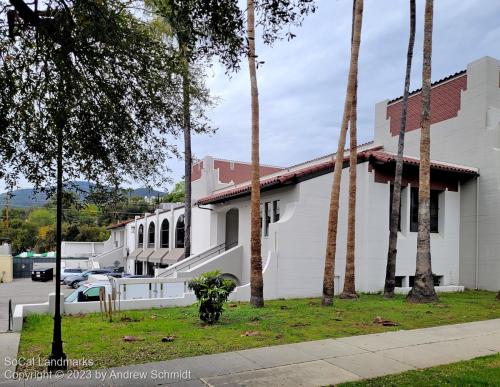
<point>110,308</point>
<point>102,303</point>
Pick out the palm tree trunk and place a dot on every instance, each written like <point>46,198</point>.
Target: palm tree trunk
<point>390,274</point>
<point>423,287</point>
<point>256,280</point>
<point>331,243</point>
<point>349,291</point>
<point>186,112</point>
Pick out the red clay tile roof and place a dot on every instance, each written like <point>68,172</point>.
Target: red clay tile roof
<point>445,103</point>
<point>385,157</point>
<point>120,224</point>
<point>293,177</point>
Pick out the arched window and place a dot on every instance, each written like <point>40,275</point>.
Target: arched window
<point>179,232</point>
<point>151,235</point>
<point>165,231</point>
<point>140,236</point>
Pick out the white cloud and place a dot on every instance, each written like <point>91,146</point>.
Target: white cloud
<point>302,83</point>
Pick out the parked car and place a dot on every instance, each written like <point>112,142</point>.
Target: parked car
<point>137,276</point>
<point>42,274</point>
<point>115,275</point>
<point>89,292</point>
<point>73,281</point>
<point>66,272</point>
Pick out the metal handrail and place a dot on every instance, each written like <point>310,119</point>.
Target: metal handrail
<point>11,317</point>
<point>216,250</point>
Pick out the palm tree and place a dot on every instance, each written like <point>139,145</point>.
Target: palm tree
<point>331,244</point>
<point>423,287</point>
<point>349,290</point>
<point>256,280</point>
<point>390,274</point>
<point>174,21</point>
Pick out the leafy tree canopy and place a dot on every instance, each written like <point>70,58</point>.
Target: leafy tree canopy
<point>176,195</point>
<point>98,73</point>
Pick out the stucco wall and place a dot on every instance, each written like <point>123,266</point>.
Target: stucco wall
<point>473,139</point>
<point>132,229</point>
<point>298,239</point>
<point>6,268</point>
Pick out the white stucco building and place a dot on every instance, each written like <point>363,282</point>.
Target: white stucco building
<point>465,204</point>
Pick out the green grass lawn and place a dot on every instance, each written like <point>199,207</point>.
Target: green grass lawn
<point>280,322</point>
<point>483,371</point>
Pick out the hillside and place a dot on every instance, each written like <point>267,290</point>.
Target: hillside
<point>25,197</point>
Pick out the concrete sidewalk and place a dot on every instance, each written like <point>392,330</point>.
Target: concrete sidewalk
<point>313,363</point>
<point>9,344</point>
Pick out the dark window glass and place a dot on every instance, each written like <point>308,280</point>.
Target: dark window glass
<point>276,210</point>
<point>93,294</point>
<point>140,236</point>
<point>434,210</point>
<point>390,208</point>
<point>261,208</point>
<point>138,267</point>
<point>165,231</point>
<point>151,235</point>
<point>179,232</point>
<point>267,218</point>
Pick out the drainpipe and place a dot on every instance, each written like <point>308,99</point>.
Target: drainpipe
<point>476,286</point>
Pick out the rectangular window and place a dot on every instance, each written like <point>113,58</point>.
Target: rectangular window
<point>267,218</point>
<point>434,210</point>
<point>276,211</point>
<point>261,224</point>
<point>390,207</point>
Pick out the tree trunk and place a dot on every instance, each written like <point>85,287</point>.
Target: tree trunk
<point>186,112</point>
<point>423,287</point>
<point>390,274</point>
<point>349,291</point>
<point>331,244</point>
<point>256,280</point>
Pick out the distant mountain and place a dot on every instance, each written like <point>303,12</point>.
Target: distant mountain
<point>25,197</point>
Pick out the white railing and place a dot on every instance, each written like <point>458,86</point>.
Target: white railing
<point>149,288</point>
<point>195,260</point>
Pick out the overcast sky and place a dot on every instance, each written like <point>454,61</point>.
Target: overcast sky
<point>302,83</point>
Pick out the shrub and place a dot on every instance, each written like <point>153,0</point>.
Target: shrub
<point>212,291</point>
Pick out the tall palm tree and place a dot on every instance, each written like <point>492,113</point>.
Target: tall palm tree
<point>188,156</point>
<point>423,287</point>
<point>390,274</point>
<point>256,280</point>
<point>174,21</point>
<point>349,290</point>
<point>331,244</point>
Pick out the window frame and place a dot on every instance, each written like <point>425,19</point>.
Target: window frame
<point>151,233</point>
<point>165,242</point>
<point>140,236</point>
<point>267,218</point>
<point>434,210</point>
<point>391,195</point>
<point>276,211</point>
<point>177,228</point>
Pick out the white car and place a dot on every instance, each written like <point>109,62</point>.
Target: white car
<point>70,271</point>
<point>89,291</point>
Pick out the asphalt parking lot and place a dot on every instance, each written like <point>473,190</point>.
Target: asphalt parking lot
<point>24,291</point>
